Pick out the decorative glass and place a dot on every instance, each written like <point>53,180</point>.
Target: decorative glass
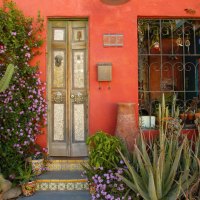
<point>58,122</point>
<point>59,34</point>
<point>58,69</point>
<point>78,69</point>
<point>79,34</point>
<point>79,126</point>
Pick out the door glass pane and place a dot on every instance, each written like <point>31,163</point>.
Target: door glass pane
<point>79,35</point>
<point>59,34</point>
<point>79,126</point>
<point>78,69</point>
<point>58,69</point>
<point>58,122</point>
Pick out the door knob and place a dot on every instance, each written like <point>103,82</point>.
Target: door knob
<point>78,98</point>
<point>72,96</point>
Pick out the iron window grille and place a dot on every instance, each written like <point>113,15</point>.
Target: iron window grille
<point>168,62</point>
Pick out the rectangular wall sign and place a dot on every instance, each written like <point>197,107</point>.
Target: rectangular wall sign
<point>113,40</point>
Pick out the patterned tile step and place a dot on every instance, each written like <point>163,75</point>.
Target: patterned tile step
<point>60,175</point>
<point>72,165</point>
<point>62,185</point>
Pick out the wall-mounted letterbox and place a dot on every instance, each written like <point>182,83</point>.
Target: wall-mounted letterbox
<point>104,71</point>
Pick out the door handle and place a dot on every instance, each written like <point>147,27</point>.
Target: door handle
<point>78,98</point>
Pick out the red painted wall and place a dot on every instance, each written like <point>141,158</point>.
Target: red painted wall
<point>108,19</point>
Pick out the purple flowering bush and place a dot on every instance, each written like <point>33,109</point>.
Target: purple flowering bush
<point>105,184</point>
<point>22,105</point>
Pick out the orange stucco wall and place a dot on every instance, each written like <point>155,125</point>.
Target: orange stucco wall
<point>108,19</point>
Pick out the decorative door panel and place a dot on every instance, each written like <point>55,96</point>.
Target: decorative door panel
<point>67,88</point>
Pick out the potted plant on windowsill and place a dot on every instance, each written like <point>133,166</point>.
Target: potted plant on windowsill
<point>27,179</point>
<point>190,115</point>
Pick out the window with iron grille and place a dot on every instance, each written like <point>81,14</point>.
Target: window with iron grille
<point>169,57</point>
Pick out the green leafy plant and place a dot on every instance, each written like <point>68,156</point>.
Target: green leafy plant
<point>5,80</point>
<point>103,165</point>
<point>164,168</point>
<point>103,150</point>
<point>25,174</point>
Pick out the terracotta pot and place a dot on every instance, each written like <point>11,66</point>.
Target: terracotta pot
<point>126,127</point>
<point>29,188</point>
<point>37,166</point>
<point>190,116</point>
<point>183,116</point>
<point>92,188</point>
<point>197,115</point>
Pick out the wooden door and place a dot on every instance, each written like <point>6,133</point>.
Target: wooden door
<point>67,87</point>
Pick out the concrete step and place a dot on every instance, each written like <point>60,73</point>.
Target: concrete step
<point>61,175</point>
<point>61,181</point>
<point>59,195</point>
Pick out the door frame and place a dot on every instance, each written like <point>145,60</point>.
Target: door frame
<point>49,81</point>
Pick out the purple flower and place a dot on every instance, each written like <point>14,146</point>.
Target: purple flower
<point>121,162</point>
<point>13,33</point>
<point>28,55</point>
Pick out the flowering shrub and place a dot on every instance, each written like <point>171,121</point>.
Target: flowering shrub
<point>37,152</point>
<point>105,184</point>
<point>22,106</point>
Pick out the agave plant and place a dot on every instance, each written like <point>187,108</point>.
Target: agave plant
<point>164,168</point>
<point>5,80</point>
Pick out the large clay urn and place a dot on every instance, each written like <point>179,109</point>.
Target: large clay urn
<point>126,127</point>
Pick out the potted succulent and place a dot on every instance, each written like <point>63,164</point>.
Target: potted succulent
<point>27,180</point>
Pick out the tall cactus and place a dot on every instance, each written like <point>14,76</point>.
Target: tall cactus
<point>5,80</point>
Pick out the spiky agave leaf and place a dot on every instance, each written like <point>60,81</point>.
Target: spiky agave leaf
<point>138,184</point>
<point>5,80</point>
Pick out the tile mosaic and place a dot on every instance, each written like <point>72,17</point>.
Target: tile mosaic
<point>61,186</point>
<point>78,186</point>
<point>56,165</point>
<point>53,186</point>
<point>69,186</point>
<point>44,186</point>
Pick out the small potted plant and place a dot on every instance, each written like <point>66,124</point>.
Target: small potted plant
<point>197,113</point>
<point>183,116</point>
<point>39,159</point>
<point>190,115</point>
<point>27,179</point>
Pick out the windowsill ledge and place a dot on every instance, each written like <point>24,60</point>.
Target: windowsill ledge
<point>151,133</point>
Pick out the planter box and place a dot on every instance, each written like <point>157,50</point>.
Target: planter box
<point>147,121</point>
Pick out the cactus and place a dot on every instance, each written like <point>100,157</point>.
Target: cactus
<point>5,80</point>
